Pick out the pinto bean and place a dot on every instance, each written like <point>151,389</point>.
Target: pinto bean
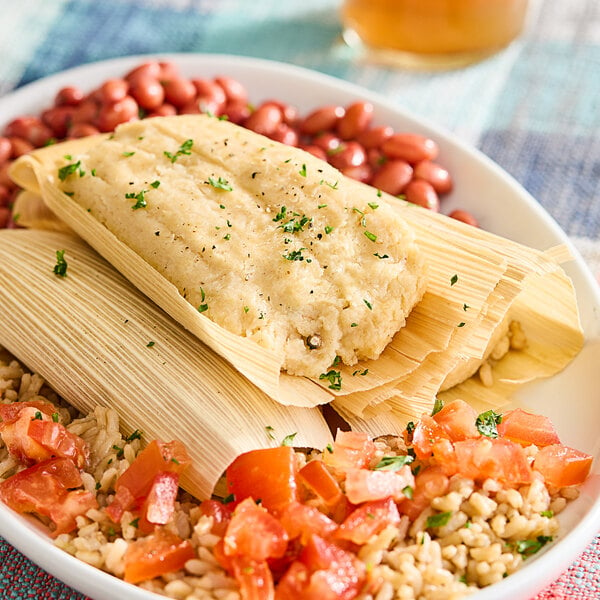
<point>211,96</point>
<point>392,177</point>
<point>79,130</point>
<point>329,142</point>
<point>5,195</point>
<point>113,90</point>
<point>29,128</point>
<point>322,119</point>
<point>285,134</point>
<point>19,146</point>
<point>265,119</point>
<point>147,92</point>
<point>435,174</point>
<point>374,137</point>
<point>237,112</point>
<point>362,173</point>
<point>5,180</point>
<point>179,91</point>
<point>357,119</point>
<point>147,69</point>
<point>164,110</point>
<point>58,119</point>
<point>289,113</point>
<point>411,147</point>
<point>112,115</point>
<point>351,154</point>
<point>234,90</point>
<point>5,149</point>
<point>419,191</point>
<point>86,112</point>
<point>5,217</point>
<point>68,96</point>
<point>315,151</point>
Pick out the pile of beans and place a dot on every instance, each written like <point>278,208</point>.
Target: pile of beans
<point>402,164</point>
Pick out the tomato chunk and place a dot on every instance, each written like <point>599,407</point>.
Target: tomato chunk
<point>351,450</point>
<point>15,433</point>
<point>268,475</point>
<point>220,513</point>
<point>255,533</point>
<point>301,520</point>
<point>457,419</point>
<point>494,458</point>
<point>323,572</point>
<point>367,520</point>
<point>135,483</point>
<point>159,505</point>
<point>426,434</point>
<point>526,428</point>
<point>317,477</point>
<point>46,489</point>
<point>562,466</point>
<point>254,578</point>
<point>157,554</point>
<point>429,483</point>
<point>363,485</point>
<point>59,441</point>
<point>9,413</point>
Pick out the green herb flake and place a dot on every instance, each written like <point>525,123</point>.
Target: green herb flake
<point>55,417</point>
<point>547,513</point>
<point>527,548</point>
<point>437,406</point>
<point>203,307</point>
<point>281,214</point>
<point>69,169</point>
<point>93,172</point>
<point>334,377</point>
<point>466,307</point>
<point>321,205</point>
<point>487,423</point>
<point>246,309</point>
<point>393,463</point>
<point>98,485</point>
<point>150,344</point>
<point>229,499</point>
<point>119,450</point>
<point>294,255</point>
<point>328,229</point>
<point>353,324</point>
<point>381,256</point>
<point>220,184</point>
<point>60,268</point>
<point>288,440</point>
<point>438,520</point>
<point>128,154</point>
<point>37,416</point>
<point>329,448</point>
<point>136,435</point>
<point>368,304</point>
<point>302,170</point>
<point>135,522</point>
<point>184,149</point>
<point>410,427</point>
<point>373,205</point>
<point>379,194</point>
<point>270,429</point>
<point>453,279</point>
<point>155,184</point>
<point>370,236</point>
<point>408,492</point>
<point>461,324</point>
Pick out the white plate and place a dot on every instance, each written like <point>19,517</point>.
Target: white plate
<point>570,399</point>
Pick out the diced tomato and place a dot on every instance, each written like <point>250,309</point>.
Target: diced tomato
<point>157,554</point>
<point>159,505</point>
<point>363,485</point>
<point>59,441</point>
<point>443,454</point>
<point>562,466</point>
<point>426,433</point>
<point>255,533</point>
<point>319,479</point>
<point>46,489</point>
<point>494,458</point>
<point>351,450</point>
<point>323,572</point>
<point>268,475</point>
<point>220,513</point>
<point>367,520</point>
<point>301,520</point>
<point>15,434</point>
<point>526,428</point>
<point>9,413</point>
<point>429,483</point>
<point>135,483</point>
<point>457,419</point>
<point>254,578</point>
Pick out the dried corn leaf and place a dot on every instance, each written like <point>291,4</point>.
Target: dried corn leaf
<point>99,341</point>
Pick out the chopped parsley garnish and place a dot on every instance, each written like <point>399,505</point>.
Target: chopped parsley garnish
<point>487,422</point>
<point>220,183</point>
<point>228,499</point>
<point>328,229</point>
<point>155,184</point>
<point>373,205</point>
<point>281,214</point>
<point>371,236</point>
<point>547,513</point>
<point>329,448</point>
<point>294,225</point>
<point>69,169</point>
<point>369,305</point>
<point>60,268</point>
<point>136,435</point>
<point>269,429</point>
<point>203,307</point>
<point>140,199</point>
<point>184,149</point>
<point>37,416</point>
<point>465,307</point>
<point>528,547</point>
<point>334,377</point>
<point>438,520</point>
<point>453,279</point>
<point>128,154</point>
<point>294,255</point>
<point>302,171</point>
<point>381,255</point>
<point>461,324</point>
<point>321,205</point>
<point>288,440</point>
<point>393,463</point>
<point>408,492</point>
<point>150,344</point>
<point>360,372</point>
<point>410,427</point>
<point>135,522</point>
<point>55,417</point>
<point>437,406</point>
<point>119,450</point>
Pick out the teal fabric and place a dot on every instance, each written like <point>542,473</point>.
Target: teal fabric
<point>534,108</point>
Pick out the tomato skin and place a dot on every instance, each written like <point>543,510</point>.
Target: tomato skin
<point>9,413</point>
<point>317,477</point>
<point>134,485</point>
<point>351,450</point>
<point>494,458</point>
<point>267,474</point>
<point>220,513</point>
<point>159,553</point>
<point>429,483</point>
<point>255,533</point>
<point>563,466</point>
<point>59,441</point>
<point>426,433</point>
<point>323,572</point>
<point>367,520</point>
<point>457,419</point>
<point>363,485</point>
<point>15,434</point>
<point>159,504</point>
<point>526,428</point>
<point>301,520</point>
<point>46,489</point>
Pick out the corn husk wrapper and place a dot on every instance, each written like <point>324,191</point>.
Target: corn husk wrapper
<point>99,341</point>
<point>475,280</point>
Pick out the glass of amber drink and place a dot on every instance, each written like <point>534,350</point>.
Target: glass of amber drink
<point>432,34</point>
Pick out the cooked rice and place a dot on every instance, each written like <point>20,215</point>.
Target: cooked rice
<point>474,549</point>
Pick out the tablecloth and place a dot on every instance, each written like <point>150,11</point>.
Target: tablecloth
<point>534,108</point>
